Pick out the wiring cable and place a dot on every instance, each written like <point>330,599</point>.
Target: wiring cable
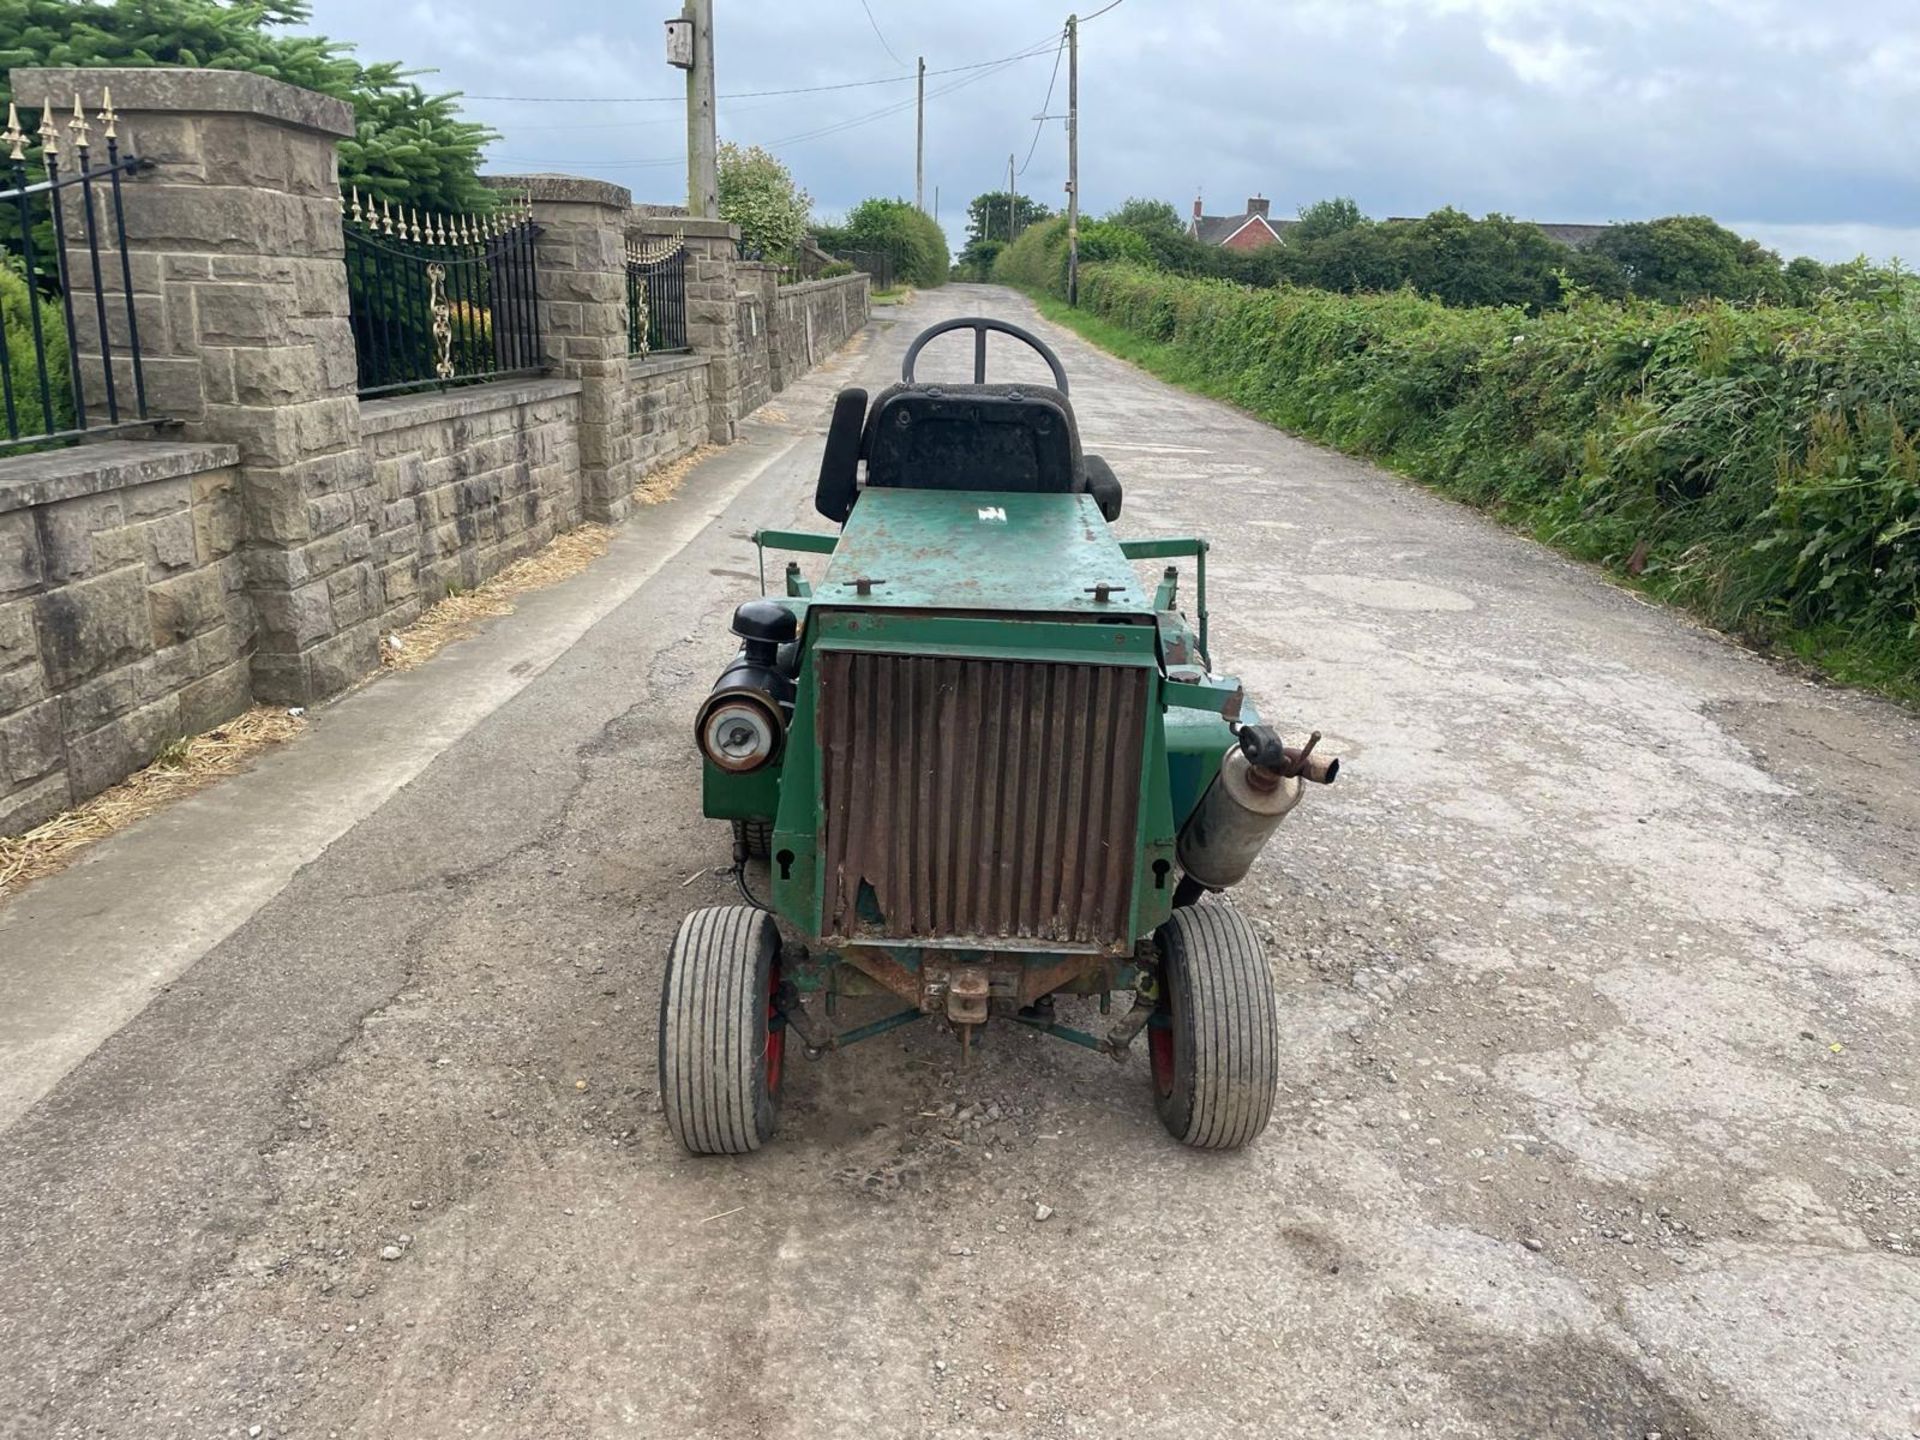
<point>878,36</point>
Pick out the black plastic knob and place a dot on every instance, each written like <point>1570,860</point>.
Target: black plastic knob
<point>765,620</point>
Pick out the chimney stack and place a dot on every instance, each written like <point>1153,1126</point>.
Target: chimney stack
<point>1196,207</point>
<point>1258,206</point>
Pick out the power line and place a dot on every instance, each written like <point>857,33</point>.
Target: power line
<point>878,36</point>
<point>1037,49</point>
<point>1041,123</point>
<point>817,133</point>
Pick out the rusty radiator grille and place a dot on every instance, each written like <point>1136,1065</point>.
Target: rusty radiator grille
<point>979,799</point>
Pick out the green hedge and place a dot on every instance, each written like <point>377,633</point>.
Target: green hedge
<point>1037,259</point>
<point>30,416</point>
<point>1756,463</point>
<point>917,245</point>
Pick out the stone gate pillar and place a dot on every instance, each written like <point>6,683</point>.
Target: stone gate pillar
<point>581,259</point>
<point>240,290</point>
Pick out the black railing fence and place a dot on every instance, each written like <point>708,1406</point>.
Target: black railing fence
<point>877,263</point>
<point>66,283</point>
<point>656,297</point>
<point>440,300</point>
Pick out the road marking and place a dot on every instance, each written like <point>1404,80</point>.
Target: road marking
<point>1153,449</point>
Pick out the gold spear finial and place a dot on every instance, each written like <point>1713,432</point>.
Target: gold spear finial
<point>78,125</point>
<point>355,211</point>
<point>13,135</point>
<point>386,217</point>
<point>107,115</point>
<point>49,132</point>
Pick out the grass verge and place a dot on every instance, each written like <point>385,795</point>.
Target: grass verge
<point>1873,659</point>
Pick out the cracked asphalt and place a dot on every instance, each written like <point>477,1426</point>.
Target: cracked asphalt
<point>1598,985</point>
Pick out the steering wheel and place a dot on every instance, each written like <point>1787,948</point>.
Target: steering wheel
<point>980,325</point>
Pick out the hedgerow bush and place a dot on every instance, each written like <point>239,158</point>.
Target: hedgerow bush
<point>1758,463</point>
<point>918,245</point>
<point>18,302</point>
<point>1037,259</point>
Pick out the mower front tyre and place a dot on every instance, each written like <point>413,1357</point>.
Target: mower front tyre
<point>1214,1043</point>
<point>721,1040</point>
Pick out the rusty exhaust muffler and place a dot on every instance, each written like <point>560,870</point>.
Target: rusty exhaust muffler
<point>1259,783</point>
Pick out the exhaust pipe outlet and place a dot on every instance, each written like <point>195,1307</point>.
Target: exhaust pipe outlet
<point>1259,783</point>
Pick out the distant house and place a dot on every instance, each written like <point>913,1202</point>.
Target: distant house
<point>1255,227</point>
<point>1246,231</point>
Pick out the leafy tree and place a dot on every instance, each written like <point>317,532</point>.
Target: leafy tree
<point>1107,240</point>
<point>987,215</point>
<point>1688,257</point>
<point>975,262</point>
<point>1147,218</point>
<point>918,247</point>
<point>408,144</point>
<point>1326,217</point>
<point>758,194</point>
<point>1165,233</point>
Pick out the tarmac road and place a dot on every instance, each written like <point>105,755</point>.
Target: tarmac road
<point>1597,974</point>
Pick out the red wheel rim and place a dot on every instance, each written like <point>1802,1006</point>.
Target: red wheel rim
<point>776,1032</point>
<point>1160,1052</point>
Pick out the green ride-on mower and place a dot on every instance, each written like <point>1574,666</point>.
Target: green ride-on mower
<point>986,765</point>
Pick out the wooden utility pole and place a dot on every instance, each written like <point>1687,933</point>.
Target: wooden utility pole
<point>1013,199</point>
<point>1073,160</point>
<point>703,173</point>
<point>920,140</point>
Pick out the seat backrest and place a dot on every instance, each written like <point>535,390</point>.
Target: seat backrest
<point>1018,438</point>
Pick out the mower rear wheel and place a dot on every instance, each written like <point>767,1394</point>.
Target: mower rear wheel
<point>722,1042</point>
<point>1214,1045</point>
<point>757,835</point>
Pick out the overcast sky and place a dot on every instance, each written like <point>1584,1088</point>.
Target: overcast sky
<point>1791,120</point>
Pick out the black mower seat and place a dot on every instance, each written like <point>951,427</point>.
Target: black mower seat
<point>1017,438</point>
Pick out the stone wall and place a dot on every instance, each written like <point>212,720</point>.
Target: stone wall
<point>123,618</point>
<point>812,320</point>
<point>667,396</point>
<point>469,481</point>
<point>149,588</point>
<point>756,283</point>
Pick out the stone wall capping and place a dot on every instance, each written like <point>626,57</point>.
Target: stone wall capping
<point>832,282</point>
<point>162,89</point>
<point>642,221</point>
<point>42,479</point>
<point>399,412</point>
<point>569,189</point>
<point>647,367</point>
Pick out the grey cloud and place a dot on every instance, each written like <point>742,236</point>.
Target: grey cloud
<point>1789,117</point>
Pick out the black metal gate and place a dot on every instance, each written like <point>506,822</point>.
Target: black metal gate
<point>440,300</point>
<point>656,298</point>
